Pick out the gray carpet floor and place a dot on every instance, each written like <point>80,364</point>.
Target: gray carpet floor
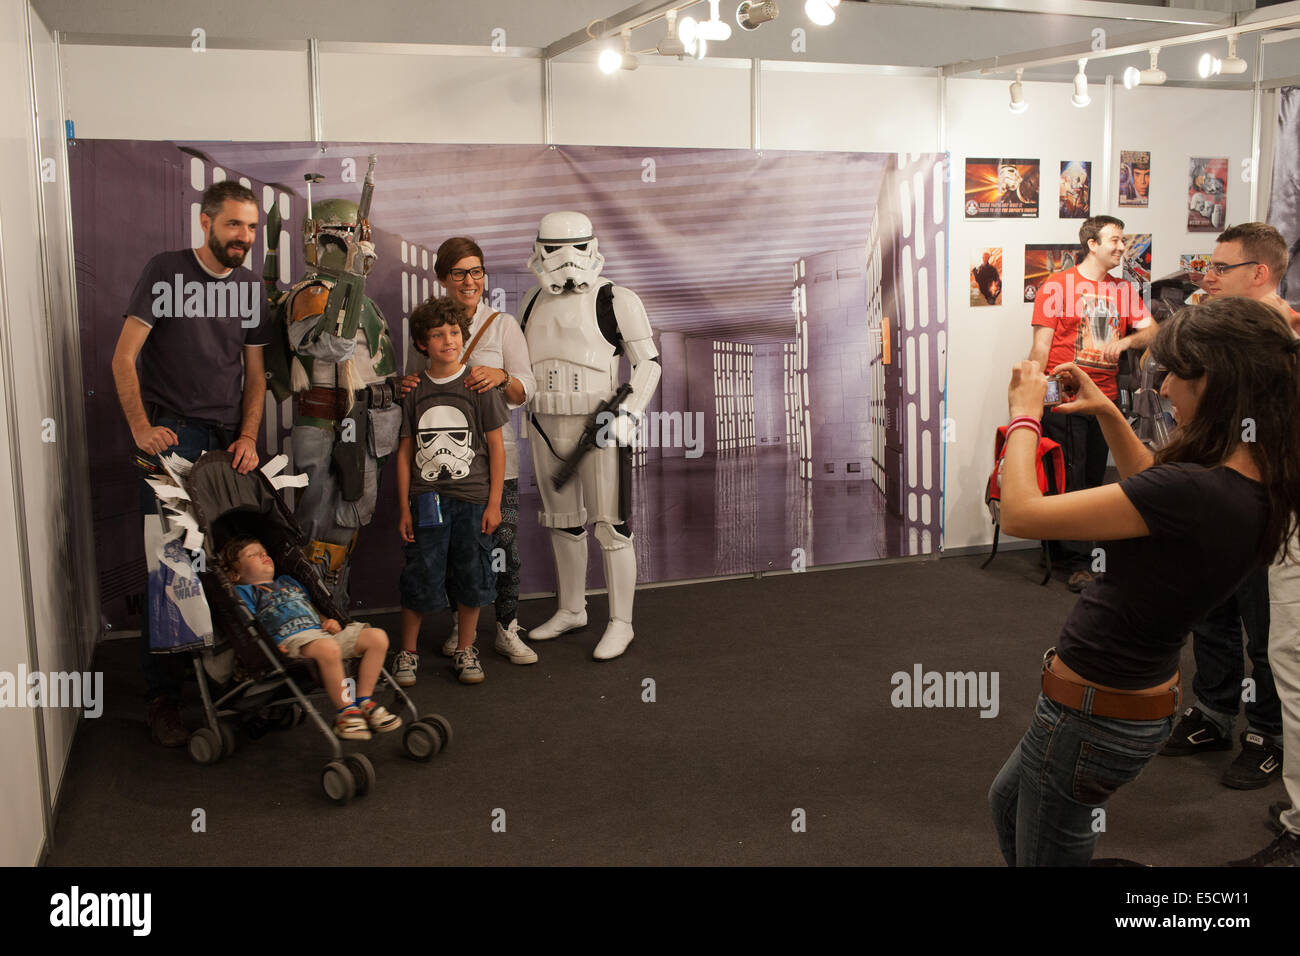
<point>772,697</point>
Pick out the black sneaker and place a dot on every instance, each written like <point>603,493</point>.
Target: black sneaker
<point>165,726</point>
<point>1284,851</point>
<point>1258,764</point>
<point>1275,811</point>
<point>1194,735</point>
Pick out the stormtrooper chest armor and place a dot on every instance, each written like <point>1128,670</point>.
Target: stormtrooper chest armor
<point>573,363</point>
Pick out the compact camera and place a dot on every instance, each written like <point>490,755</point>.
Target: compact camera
<point>1055,392</point>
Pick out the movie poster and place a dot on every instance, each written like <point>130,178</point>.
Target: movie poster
<point>1194,263</point>
<point>1042,259</point>
<point>1076,189</point>
<point>1002,189</point>
<point>1207,195</point>
<point>1134,177</point>
<point>986,277</point>
<point>1135,263</point>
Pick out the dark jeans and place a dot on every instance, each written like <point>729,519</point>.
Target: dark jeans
<point>1216,643</point>
<point>164,673</point>
<point>1085,451</point>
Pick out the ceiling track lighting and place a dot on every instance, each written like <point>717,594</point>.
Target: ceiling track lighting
<point>713,28</point>
<point>1152,75</point>
<point>1018,104</point>
<point>1081,97</point>
<point>670,45</point>
<point>1210,65</point>
<point>751,14</point>
<point>821,12</point>
<point>611,60</point>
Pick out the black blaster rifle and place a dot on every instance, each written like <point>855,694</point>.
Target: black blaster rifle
<point>589,434</point>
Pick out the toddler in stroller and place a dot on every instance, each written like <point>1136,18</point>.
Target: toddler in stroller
<point>284,609</point>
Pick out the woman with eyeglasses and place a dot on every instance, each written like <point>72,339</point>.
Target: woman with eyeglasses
<point>1180,531</point>
<point>496,356</point>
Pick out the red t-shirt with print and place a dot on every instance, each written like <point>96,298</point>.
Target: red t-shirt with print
<point>1085,315</point>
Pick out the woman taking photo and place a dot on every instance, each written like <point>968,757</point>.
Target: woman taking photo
<point>497,357</point>
<point>1183,527</point>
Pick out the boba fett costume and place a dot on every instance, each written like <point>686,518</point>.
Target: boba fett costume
<point>333,351</point>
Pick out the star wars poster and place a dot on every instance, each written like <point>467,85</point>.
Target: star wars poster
<point>1207,195</point>
<point>986,277</point>
<point>1134,178</point>
<point>1002,189</point>
<point>1076,189</point>
<point>1136,262</point>
<point>1043,259</point>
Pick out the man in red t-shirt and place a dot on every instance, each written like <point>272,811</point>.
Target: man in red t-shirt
<point>1085,316</point>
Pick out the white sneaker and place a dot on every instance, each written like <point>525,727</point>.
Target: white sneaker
<point>450,644</point>
<point>618,635</point>
<point>468,669</point>
<point>509,644</point>
<point>404,668</point>
<point>560,623</point>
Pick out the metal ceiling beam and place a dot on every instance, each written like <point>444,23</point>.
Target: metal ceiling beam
<point>630,18</point>
<point>1092,9</point>
<point>1270,18</point>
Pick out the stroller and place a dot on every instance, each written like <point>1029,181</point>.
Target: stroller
<point>243,680</point>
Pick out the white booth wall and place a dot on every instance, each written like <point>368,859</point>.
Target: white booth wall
<point>47,578</point>
<point>429,95</point>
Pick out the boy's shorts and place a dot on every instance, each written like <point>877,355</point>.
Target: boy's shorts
<point>346,639</point>
<point>452,560</point>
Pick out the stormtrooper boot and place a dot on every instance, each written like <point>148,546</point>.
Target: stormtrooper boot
<point>620,579</point>
<point>571,583</point>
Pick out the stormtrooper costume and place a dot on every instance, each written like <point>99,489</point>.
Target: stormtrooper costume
<point>576,327</point>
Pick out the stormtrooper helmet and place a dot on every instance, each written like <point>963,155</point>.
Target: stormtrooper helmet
<point>565,257</point>
<point>443,443</point>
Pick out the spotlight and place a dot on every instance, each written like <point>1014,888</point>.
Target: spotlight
<point>1132,77</point>
<point>686,32</point>
<point>713,28</point>
<point>1153,75</point>
<point>1232,64</point>
<point>821,12</point>
<point>670,45</point>
<point>610,60</point>
<point>752,13</point>
<point>1081,97</point>
<point>1208,65</point>
<point>1018,104</point>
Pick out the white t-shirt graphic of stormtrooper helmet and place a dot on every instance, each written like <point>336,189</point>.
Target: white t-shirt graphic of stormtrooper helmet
<point>447,423</point>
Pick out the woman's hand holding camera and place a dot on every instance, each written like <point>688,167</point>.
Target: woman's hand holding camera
<point>1084,397</point>
<point>1027,390</point>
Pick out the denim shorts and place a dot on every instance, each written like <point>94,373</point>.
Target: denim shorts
<point>453,560</point>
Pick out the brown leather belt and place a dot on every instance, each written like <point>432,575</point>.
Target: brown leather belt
<point>1103,703</point>
<point>321,401</point>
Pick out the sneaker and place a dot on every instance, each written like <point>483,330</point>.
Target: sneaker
<point>381,721</point>
<point>468,669</point>
<point>509,644</point>
<point>404,668</point>
<point>1079,580</point>
<point>450,644</point>
<point>165,726</point>
<point>1258,764</point>
<point>1193,735</point>
<point>351,725</point>
<point>1275,811</point>
<point>1284,851</point>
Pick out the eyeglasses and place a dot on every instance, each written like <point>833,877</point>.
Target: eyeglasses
<point>1219,268</point>
<point>458,275</point>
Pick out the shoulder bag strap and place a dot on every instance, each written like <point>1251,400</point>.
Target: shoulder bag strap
<point>464,359</point>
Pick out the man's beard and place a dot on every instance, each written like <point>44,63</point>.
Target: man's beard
<point>230,258</point>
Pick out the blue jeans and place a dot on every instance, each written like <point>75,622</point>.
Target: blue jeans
<point>162,676</point>
<point>1066,766</point>
<point>1216,643</point>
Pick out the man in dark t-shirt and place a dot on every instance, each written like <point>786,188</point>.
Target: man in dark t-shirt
<point>196,325</point>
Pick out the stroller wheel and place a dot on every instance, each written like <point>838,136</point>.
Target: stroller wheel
<point>363,772</point>
<point>441,724</point>
<point>337,782</point>
<point>291,716</point>
<point>421,741</point>
<point>205,747</point>
<point>227,738</point>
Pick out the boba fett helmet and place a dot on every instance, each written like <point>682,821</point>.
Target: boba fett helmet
<point>334,242</point>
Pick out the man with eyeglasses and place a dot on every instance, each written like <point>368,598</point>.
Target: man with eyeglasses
<point>1248,261</point>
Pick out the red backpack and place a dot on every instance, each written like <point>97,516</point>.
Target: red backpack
<point>1051,481</point>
